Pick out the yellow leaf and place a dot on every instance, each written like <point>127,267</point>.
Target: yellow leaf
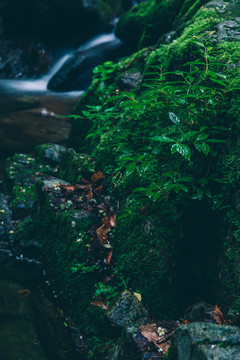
<point>138,296</point>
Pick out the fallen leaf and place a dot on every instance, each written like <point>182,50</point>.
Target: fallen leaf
<point>23,292</point>
<point>97,176</point>
<point>109,258</point>
<point>68,187</point>
<point>149,331</point>
<point>211,33</point>
<point>138,296</point>
<point>165,346</point>
<point>89,194</point>
<point>218,315</point>
<point>99,188</point>
<point>101,234</point>
<point>106,223</point>
<point>112,220</point>
<point>99,304</point>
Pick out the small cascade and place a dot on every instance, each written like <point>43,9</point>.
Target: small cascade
<point>41,85</point>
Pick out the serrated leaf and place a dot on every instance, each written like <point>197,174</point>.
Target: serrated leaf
<point>174,118</point>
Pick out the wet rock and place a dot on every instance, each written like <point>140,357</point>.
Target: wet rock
<point>20,179</point>
<point>23,59</point>
<point>53,183</point>
<point>50,153</point>
<point>227,30</point>
<point>200,312</point>
<point>6,226</point>
<point>129,80</point>
<point>128,311</point>
<point>205,341</point>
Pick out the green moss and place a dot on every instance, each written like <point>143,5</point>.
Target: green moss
<point>189,8</point>
<point>144,23</point>
<point>74,167</point>
<point>181,50</point>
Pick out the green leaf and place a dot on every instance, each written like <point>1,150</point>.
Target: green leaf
<point>113,98</point>
<point>149,192</point>
<point>216,141</point>
<point>86,113</point>
<point>174,118</point>
<point>139,189</point>
<point>183,187</point>
<point>157,195</point>
<point>129,94</point>
<point>130,168</point>
<point>202,137</point>
<point>162,138</point>
<point>184,150</point>
<point>205,148</point>
<point>98,69</point>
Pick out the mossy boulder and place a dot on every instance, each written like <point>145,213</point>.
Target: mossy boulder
<point>173,246</point>
<point>146,22</point>
<point>205,341</point>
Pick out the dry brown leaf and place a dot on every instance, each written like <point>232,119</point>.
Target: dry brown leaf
<point>149,331</point>
<point>101,234</point>
<point>23,292</point>
<point>97,176</point>
<point>68,187</point>
<point>165,346</point>
<point>218,315</point>
<point>106,223</point>
<point>81,187</point>
<point>112,220</point>
<point>109,257</point>
<point>211,33</point>
<point>99,304</point>
<point>89,194</point>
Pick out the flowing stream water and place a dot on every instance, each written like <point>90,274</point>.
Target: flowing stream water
<point>29,112</point>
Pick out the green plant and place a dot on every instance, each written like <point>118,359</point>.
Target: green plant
<point>83,268</point>
<point>105,70</point>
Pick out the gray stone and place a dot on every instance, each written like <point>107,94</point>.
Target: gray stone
<point>53,183</point>
<point>127,312</point>
<point>205,341</point>
<point>51,153</point>
<point>129,80</point>
<point>227,30</point>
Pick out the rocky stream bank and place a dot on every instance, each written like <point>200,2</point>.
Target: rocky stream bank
<point>137,218</point>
